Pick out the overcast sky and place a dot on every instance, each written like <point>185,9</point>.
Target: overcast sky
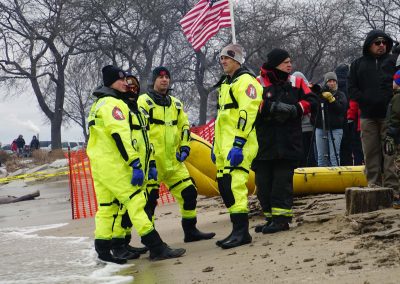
<point>22,115</point>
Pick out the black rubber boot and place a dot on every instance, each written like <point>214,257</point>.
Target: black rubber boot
<point>259,228</point>
<point>132,249</point>
<point>275,227</point>
<point>103,249</point>
<point>158,249</point>
<point>118,248</point>
<point>219,242</point>
<point>240,233</point>
<point>192,234</point>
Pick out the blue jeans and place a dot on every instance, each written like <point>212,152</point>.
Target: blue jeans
<point>326,157</point>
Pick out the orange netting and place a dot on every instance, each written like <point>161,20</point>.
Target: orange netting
<point>205,131</point>
<point>83,196</point>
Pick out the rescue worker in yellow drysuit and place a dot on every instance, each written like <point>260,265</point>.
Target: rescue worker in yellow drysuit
<point>235,141</point>
<point>169,132</point>
<point>122,229</point>
<point>119,168</point>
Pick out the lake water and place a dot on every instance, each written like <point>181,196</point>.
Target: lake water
<point>26,257</point>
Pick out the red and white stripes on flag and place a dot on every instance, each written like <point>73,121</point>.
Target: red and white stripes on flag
<point>204,20</point>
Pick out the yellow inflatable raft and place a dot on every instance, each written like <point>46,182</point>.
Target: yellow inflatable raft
<point>305,180</point>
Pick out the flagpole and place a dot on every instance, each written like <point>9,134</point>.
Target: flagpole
<point>233,21</point>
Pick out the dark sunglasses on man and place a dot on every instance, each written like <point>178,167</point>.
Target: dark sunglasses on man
<point>379,42</point>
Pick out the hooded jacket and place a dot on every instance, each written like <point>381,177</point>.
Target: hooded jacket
<point>368,84</point>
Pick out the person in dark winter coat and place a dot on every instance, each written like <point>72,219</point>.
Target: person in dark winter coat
<point>285,100</point>
<point>369,88</point>
<point>350,148</point>
<point>329,122</point>
<point>20,145</point>
<point>392,139</point>
<point>307,128</point>
<point>34,143</point>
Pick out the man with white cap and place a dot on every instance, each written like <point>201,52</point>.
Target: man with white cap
<point>235,142</point>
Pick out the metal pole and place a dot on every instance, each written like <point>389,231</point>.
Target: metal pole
<point>232,21</point>
<point>326,154</point>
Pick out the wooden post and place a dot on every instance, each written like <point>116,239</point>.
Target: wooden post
<point>367,199</point>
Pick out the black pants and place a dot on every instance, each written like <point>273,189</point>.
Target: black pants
<point>309,159</point>
<point>274,181</point>
<point>346,155</point>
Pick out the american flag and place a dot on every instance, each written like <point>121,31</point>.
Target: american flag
<point>204,20</point>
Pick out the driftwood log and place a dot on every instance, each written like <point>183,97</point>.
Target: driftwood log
<point>367,199</point>
<point>12,199</point>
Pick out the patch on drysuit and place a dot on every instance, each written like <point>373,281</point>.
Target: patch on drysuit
<point>118,114</point>
<point>251,92</point>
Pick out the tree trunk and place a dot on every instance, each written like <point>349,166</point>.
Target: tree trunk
<point>203,109</point>
<point>56,131</point>
<point>367,199</point>
<point>201,66</point>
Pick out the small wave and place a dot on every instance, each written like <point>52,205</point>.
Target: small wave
<point>30,258</point>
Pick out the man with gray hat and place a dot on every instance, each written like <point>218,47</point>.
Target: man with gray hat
<point>370,85</point>
<point>170,135</point>
<point>235,142</point>
<point>329,122</point>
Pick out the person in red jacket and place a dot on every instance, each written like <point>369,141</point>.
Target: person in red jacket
<point>14,147</point>
<point>353,119</point>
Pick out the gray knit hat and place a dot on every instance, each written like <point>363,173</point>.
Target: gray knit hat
<point>234,51</point>
<point>330,76</point>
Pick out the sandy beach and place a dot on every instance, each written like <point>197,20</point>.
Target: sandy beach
<point>322,246</point>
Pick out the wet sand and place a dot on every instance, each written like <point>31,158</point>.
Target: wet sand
<point>322,246</point>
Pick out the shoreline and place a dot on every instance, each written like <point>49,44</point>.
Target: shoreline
<point>322,244</point>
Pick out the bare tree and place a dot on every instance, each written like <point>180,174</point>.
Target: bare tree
<point>381,14</point>
<point>325,35</point>
<point>83,75</point>
<point>37,39</point>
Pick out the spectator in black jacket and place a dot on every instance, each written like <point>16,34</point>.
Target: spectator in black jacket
<point>329,122</point>
<point>34,143</point>
<point>285,100</point>
<point>20,145</point>
<point>370,85</point>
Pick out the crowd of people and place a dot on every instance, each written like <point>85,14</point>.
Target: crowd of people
<point>271,123</point>
<point>19,147</point>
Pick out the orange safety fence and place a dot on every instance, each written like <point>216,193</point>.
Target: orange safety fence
<point>83,195</point>
<point>205,131</point>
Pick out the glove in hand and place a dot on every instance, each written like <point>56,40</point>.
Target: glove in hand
<point>329,97</point>
<point>213,158</point>
<point>137,173</point>
<point>183,153</point>
<point>282,112</point>
<point>235,155</point>
<point>152,170</point>
<point>389,145</point>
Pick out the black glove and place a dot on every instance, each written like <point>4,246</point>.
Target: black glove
<point>282,112</point>
<point>389,147</point>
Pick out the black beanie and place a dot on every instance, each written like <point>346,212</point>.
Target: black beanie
<point>111,74</point>
<point>160,70</point>
<point>275,57</point>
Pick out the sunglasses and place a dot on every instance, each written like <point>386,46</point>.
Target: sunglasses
<point>379,42</point>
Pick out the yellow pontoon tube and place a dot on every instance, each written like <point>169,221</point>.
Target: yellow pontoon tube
<point>305,180</point>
